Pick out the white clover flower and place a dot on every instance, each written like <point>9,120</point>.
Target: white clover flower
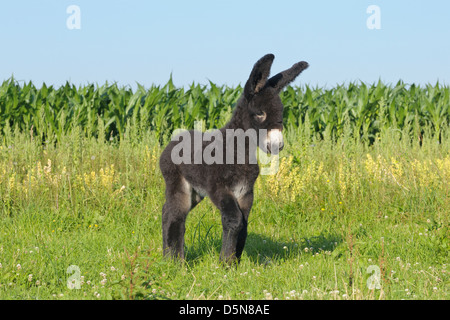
<point>268,296</point>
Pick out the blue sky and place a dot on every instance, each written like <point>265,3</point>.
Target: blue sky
<point>145,41</point>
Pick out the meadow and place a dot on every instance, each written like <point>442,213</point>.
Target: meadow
<point>359,208</point>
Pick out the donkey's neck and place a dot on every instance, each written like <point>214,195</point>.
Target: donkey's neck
<point>240,118</point>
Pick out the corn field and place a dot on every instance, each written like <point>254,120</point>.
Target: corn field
<point>365,110</point>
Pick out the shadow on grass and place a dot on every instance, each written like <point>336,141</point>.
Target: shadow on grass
<point>199,250</point>
<point>261,249</point>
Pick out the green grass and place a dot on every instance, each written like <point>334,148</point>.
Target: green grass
<point>318,247</point>
<point>97,205</point>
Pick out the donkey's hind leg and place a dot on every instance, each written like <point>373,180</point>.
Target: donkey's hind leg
<point>174,213</point>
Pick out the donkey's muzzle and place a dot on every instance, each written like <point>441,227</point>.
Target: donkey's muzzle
<point>274,141</point>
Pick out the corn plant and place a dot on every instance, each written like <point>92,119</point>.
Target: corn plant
<point>366,109</point>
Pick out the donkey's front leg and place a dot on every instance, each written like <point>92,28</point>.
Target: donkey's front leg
<point>233,224</point>
<point>245,204</point>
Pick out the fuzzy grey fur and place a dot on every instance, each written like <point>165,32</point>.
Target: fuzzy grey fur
<point>229,186</point>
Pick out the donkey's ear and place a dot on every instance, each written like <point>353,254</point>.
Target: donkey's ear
<point>282,79</point>
<point>259,75</point>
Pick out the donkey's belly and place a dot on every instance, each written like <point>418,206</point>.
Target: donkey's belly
<point>200,191</point>
<point>240,189</point>
<point>236,179</point>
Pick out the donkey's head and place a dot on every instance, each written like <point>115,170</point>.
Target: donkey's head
<point>263,103</point>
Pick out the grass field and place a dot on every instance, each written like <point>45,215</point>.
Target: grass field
<point>341,211</point>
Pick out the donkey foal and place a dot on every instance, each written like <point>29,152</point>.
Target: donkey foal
<point>228,180</point>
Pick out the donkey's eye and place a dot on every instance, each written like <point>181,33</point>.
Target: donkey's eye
<point>261,116</point>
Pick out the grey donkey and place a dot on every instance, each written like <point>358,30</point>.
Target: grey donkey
<point>229,180</point>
